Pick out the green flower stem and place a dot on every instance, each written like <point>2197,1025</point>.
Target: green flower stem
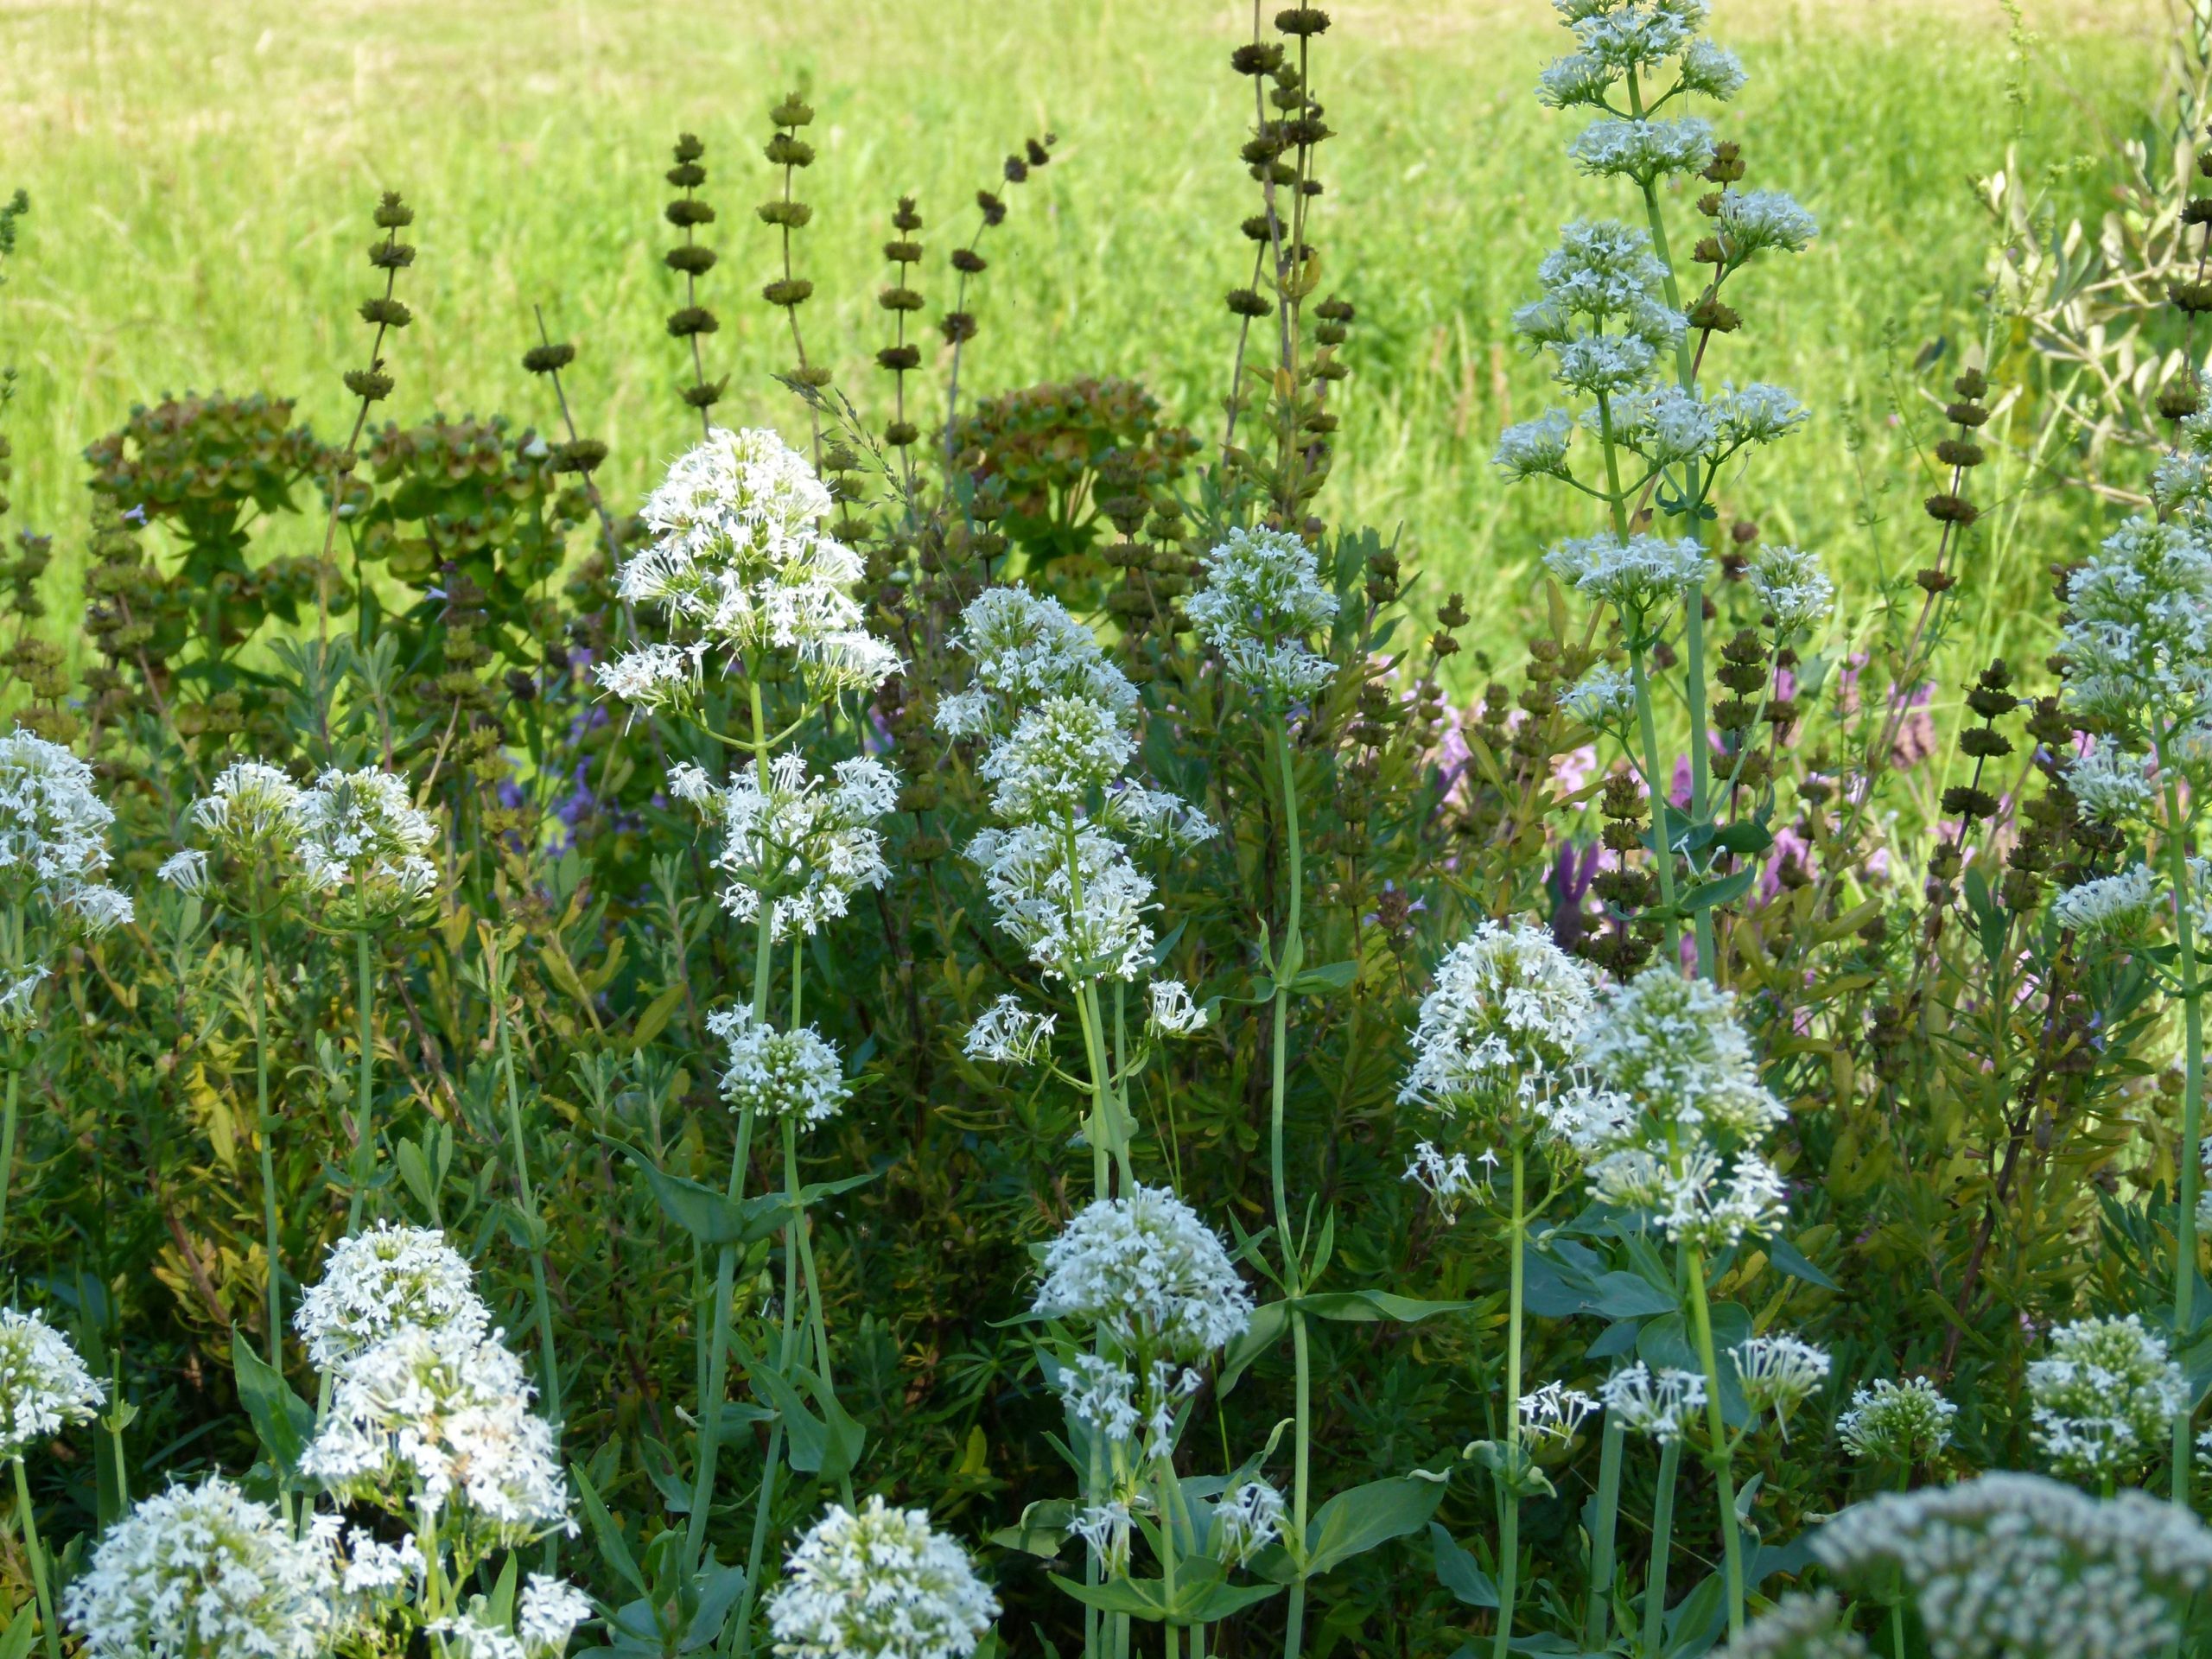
<point>1597,1618</point>
<point>1700,779</point>
<point>1163,1478</point>
<point>9,1108</point>
<point>1732,1541</point>
<point>710,1403</point>
<point>266,1128</point>
<point>498,975</point>
<point>2192,1152</point>
<point>365,1128</point>
<point>801,1231</point>
<point>1289,954</point>
<point>1663,1542</point>
<point>1509,1532</point>
<point>37,1553</point>
<point>1897,1607</point>
<point>1663,852</point>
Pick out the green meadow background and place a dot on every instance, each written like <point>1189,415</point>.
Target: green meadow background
<point>201,176</point>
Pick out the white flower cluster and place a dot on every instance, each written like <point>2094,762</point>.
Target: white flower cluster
<point>1618,38</point>
<point>2111,784</point>
<point>1006,1034</point>
<point>252,816</point>
<point>1249,1518</point>
<point>1174,1012</point>
<point>439,1421</point>
<point>1448,1178</point>
<point>1554,1414</point>
<point>1660,1403</point>
<point>204,1570</point>
<point>1601,314</point>
<point>375,1282</point>
<point>1056,716</point>
<point>1669,424</point>
<point>1603,697</point>
<point>1639,577</point>
<point>1791,588</point>
<point>1888,1421</point>
<point>1146,1270</point>
<point>44,1386</point>
<point>1258,605</point>
<point>1752,221</point>
<point>2104,1397</point>
<point>1502,1025</point>
<point>740,569</point>
<point>1778,1372</point>
<point>779,1073</point>
<point>54,835</point>
<point>2138,640</point>
<point>1107,1396</point>
<point>788,841</point>
<point>2119,908</point>
<point>2017,1566</point>
<point>546,1614</point>
<point>1800,1626</point>
<point>363,839</point>
<point>1643,150</point>
<point>1687,1153</point>
<point>880,1584</point>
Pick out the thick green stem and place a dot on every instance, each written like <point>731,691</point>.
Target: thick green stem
<point>365,1128</point>
<point>1163,1481</point>
<point>2191,1155</point>
<point>1290,957</point>
<point>37,1553</point>
<point>1508,1531</point>
<point>772,1474</point>
<point>9,1108</point>
<point>1598,1615</point>
<point>1663,1543</point>
<point>801,1232</point>
<point>1720,1454</point>
<point>265,1128</point>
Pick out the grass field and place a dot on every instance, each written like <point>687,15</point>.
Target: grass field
<point>201,177</point>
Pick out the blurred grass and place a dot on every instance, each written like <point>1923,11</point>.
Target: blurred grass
<point>201,177</point>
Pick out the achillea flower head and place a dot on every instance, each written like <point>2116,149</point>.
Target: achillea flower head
<point>1889,1421</point>
<point>779,1073</point>
<point>801,844</point>
<point>2104,1397</point>
<point>1502,1024</point>
<point>204,1570</point>
<point>2023,1568</point>
<point>2138,640</point>
<point>1792,588</point>
<point>376,1281</point>
<point>44,1386</point>
<point>54,834</point>
<point>439,1420</point>
<point>363,840</point>
<point>738,568</point>
<point>1639,577</point>
<point>1146,1269</point>
<point>2119,908</point>
<point>1753,221</point>
<point>881,1584</point>
<point>1248,1519</point>
<point>1257,606</point>
<point>1643,150</point>
<point>1658,1403</point>
<point>1006,1034</point>
<point>1025,649</point>
<point>1080,921</point>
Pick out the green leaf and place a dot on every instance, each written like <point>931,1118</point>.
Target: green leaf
<point>612,1549</point>
<point>1042,1529</point>
<point>1745,838</point>
<point>1727,890</point>
<point>1268,1323</point>
<point>828,1445</point>
<point>1793,1261</point>
<point>1629,1296</point>
<point>710,1217</point>
<point>1458,1571</point>
<point>1325,980</point>
<point>1367,1307</point>
<point>1355,1522</point>
<point>655,1018</point>
<point>283,1420</point>
<point>1217,1600</point>
<point>1137,1597</point>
